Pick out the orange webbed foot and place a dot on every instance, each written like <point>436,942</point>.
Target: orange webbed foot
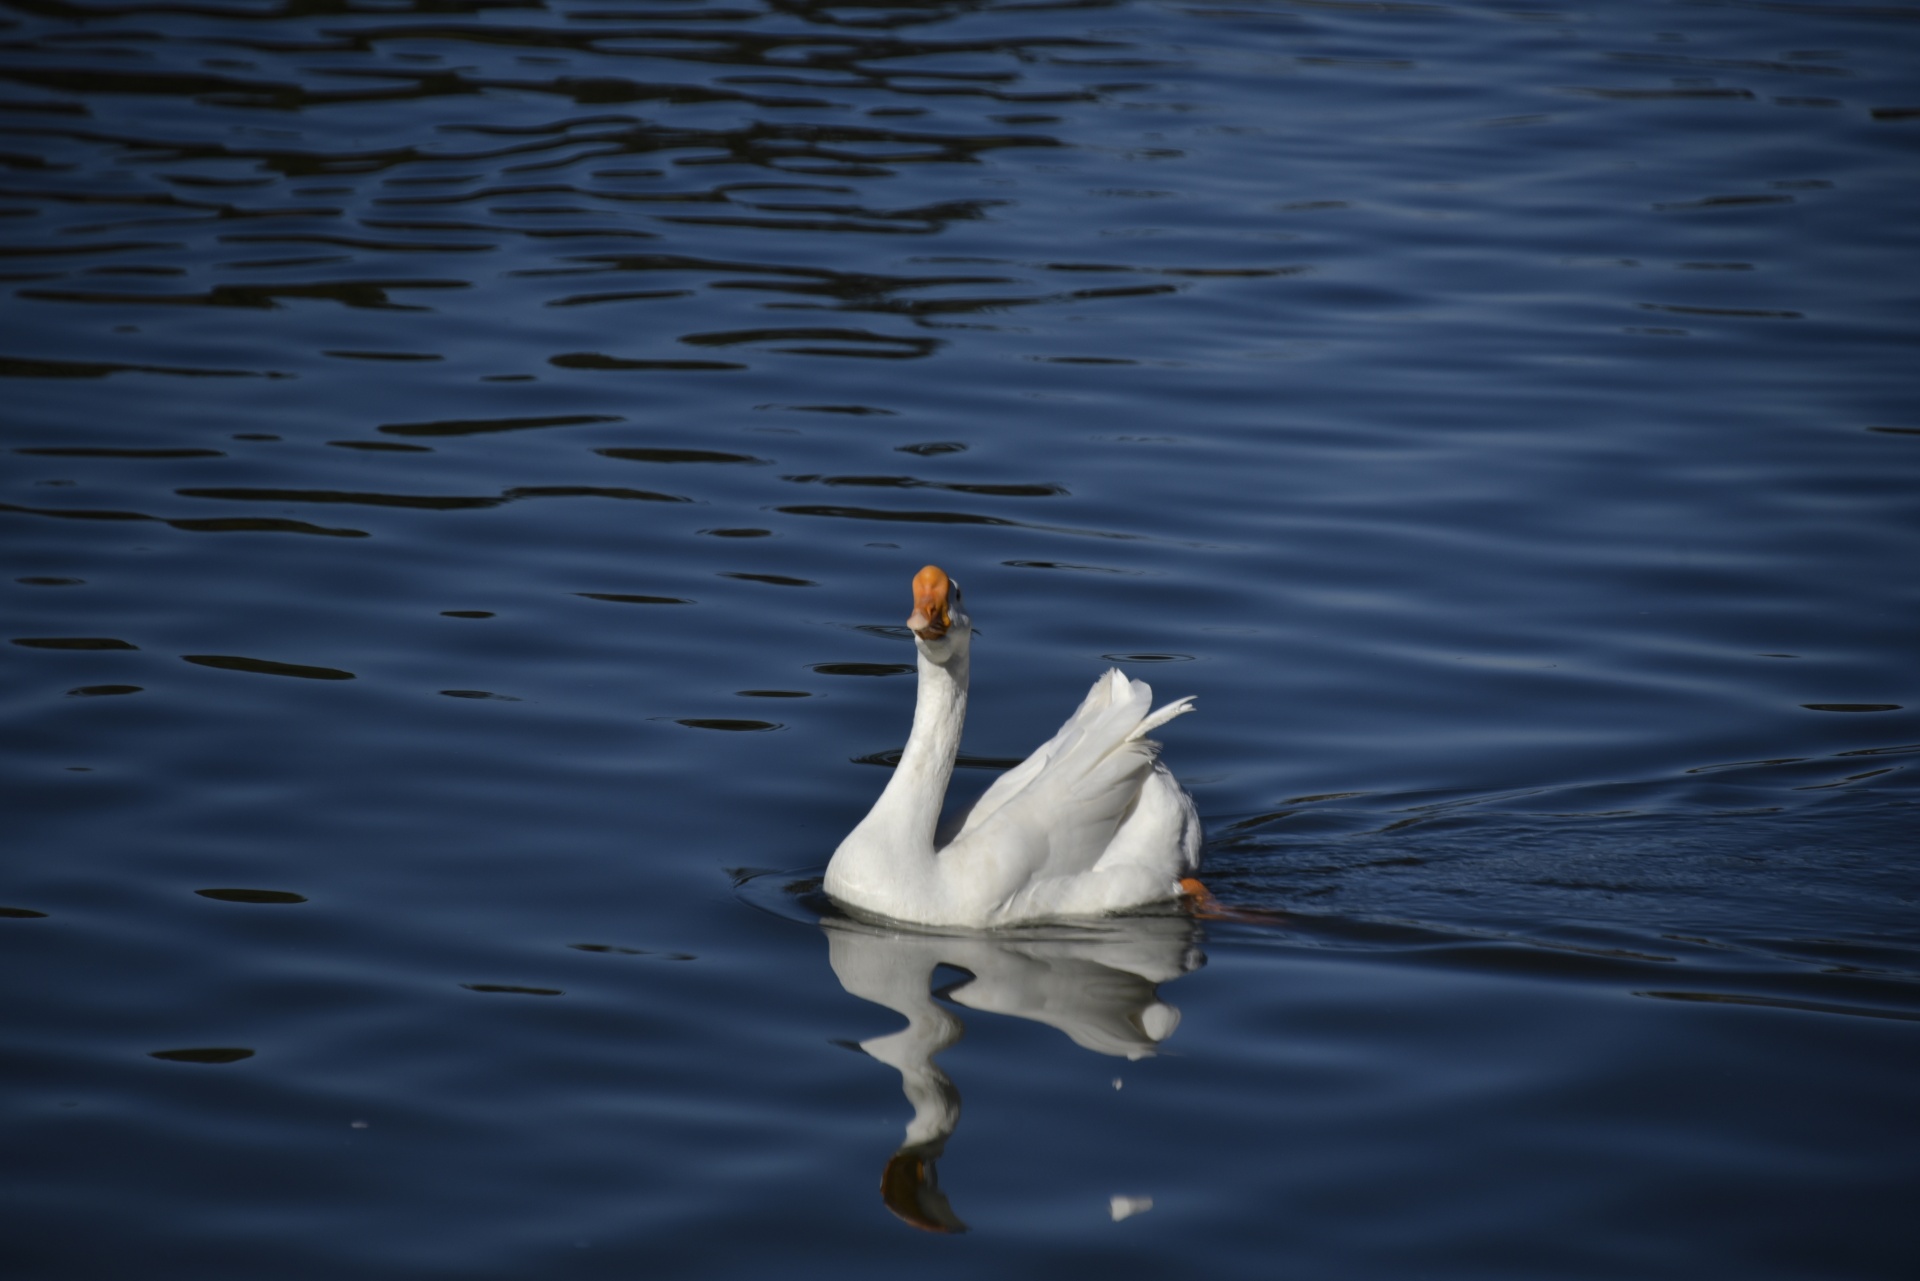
<point>1208,908</point>
<point>1200,898</point>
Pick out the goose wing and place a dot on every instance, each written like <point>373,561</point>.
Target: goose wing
<point>1062,805</point>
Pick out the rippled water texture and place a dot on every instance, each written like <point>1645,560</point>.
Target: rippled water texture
<point>463,464</point>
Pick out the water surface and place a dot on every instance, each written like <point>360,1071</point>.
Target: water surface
<point>463,467</point>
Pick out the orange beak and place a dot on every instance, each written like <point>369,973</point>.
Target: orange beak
<point>931,589</point>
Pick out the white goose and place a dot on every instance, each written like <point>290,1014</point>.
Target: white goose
<point>1090,823</point>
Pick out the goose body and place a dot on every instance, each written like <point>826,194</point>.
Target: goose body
<point>1091,823</point>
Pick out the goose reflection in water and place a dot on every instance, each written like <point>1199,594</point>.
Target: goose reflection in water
<point>1097,982</point>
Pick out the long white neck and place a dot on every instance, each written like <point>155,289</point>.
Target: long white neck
<point>887,863</point>
<point>910,805</point>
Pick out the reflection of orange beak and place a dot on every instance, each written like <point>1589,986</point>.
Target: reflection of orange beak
<point>931,589</point>
<point>911,1190</point>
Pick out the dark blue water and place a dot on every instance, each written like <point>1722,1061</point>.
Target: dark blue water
<point>463,466</point>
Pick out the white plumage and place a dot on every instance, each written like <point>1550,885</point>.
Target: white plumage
<point>1092,822</point>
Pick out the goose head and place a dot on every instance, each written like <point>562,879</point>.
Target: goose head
<point>939,623</point>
